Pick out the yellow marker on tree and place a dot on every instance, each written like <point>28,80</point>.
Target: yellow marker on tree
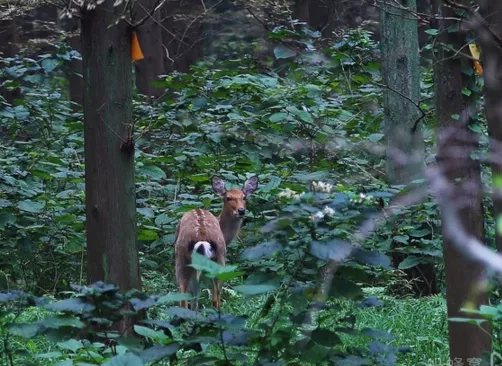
<point>476,53</point>
<point>136,53</point>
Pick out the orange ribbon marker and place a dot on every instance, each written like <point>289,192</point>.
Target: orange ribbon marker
<point>476,53</point>
<point>136,53</point>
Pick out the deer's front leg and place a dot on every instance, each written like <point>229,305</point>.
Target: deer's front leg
<point>217,285</point>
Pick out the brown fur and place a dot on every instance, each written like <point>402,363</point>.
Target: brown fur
<point>201,225</point>
<point>197,225</point>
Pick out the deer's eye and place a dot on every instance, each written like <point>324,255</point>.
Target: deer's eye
<point>245,198</point>
<point>228,198</point>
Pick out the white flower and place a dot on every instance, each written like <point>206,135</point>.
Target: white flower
<point>362,195</point>
<point>318,216</point>
<point>322,187</point>
<point>328,211</point>
<point>288,193</point>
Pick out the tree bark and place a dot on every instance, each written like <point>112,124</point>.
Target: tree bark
<point>401,74</point>
<point>74,71</point>
<point>455,145</point>
<point>109,163</point>
<point>182,34</point>
<point>8,48</point>
<point>150,39</point>
<point>492,64</point>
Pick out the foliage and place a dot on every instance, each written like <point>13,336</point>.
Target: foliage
<point>309,133</point>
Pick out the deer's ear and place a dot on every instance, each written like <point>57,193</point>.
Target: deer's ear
<point>219,186</point>
<point>250,186</point>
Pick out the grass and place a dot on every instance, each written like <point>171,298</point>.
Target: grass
<point>420,324</point>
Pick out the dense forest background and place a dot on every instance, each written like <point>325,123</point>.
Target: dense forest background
<point>373,127</point>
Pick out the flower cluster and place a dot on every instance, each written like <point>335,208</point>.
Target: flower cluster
<point>326,212</point>
<point>289,193</point>
<point>322,187</point>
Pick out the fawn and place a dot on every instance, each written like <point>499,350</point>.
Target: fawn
<point>200,231</point>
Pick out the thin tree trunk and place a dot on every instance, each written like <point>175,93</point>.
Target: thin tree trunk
<point>182,34</point>
<point>75,74</point>
<point>301,10</point>
<point>109,164</point>
<point>74,71</point>
<point>150,38</point>
<point>401,74</point>
<point>455,145</point>
<point>492,64</point>
<point>8,48</point>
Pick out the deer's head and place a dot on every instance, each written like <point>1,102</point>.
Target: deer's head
<point>234,200</point>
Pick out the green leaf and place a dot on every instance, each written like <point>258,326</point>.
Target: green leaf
<point>301,114</point>
<point>419,233</point>
<point>475,127</point>
<point>157,335</point>
<point>373,258</point>
<point>282,51</point>
<point>336,250</point>
<point>375,137</point>
<point>49,355</point>
<point>163,219</point>
<point>155,173</point>
<point>472,321</point>
<point>253,290</point>
<point>258,252</point>
<point>274,183</point>
<point>71,345</point>
<point>432,32</point>
<point>49,64</point>
<point>173,297</point>
<point>24,330</point>
<point>65,363</point>
<point>211,268</point>
<point>325,337</point>
<point>147,235</point>
<point>277,117</point>
<point>31,206</point>
<point>6,219</point>
<point>403,239</point>
<point>411,261</point>
<point>128,359</point>
<point>58,321</point>
<point>146,211</point>
<point>157,353</point>
<point>75,305</point>
<point>341,287</point>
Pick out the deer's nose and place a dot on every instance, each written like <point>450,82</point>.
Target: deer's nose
<point>241,211</point>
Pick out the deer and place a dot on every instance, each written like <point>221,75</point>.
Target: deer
<point>201,232</point>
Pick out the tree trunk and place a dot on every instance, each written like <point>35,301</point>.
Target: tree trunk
<point>75,74</point>
<point>301,10</point>
<point>74,71</point>
<point>109,163</point>
<point>455,145</point>
<point>150,39</point>
<point>182,34</point>
<point>401,74</point>
<point>492,64</point>
<point>8,48</point>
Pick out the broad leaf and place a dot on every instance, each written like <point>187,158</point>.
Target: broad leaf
<point>127,359</point>
<point>336,250</point>
<point>252,290</point>
<point>31,206</point>
<point>282,51</point>
<point>157,353</point>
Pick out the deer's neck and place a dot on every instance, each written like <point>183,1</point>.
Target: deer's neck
<point>229,225</point>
